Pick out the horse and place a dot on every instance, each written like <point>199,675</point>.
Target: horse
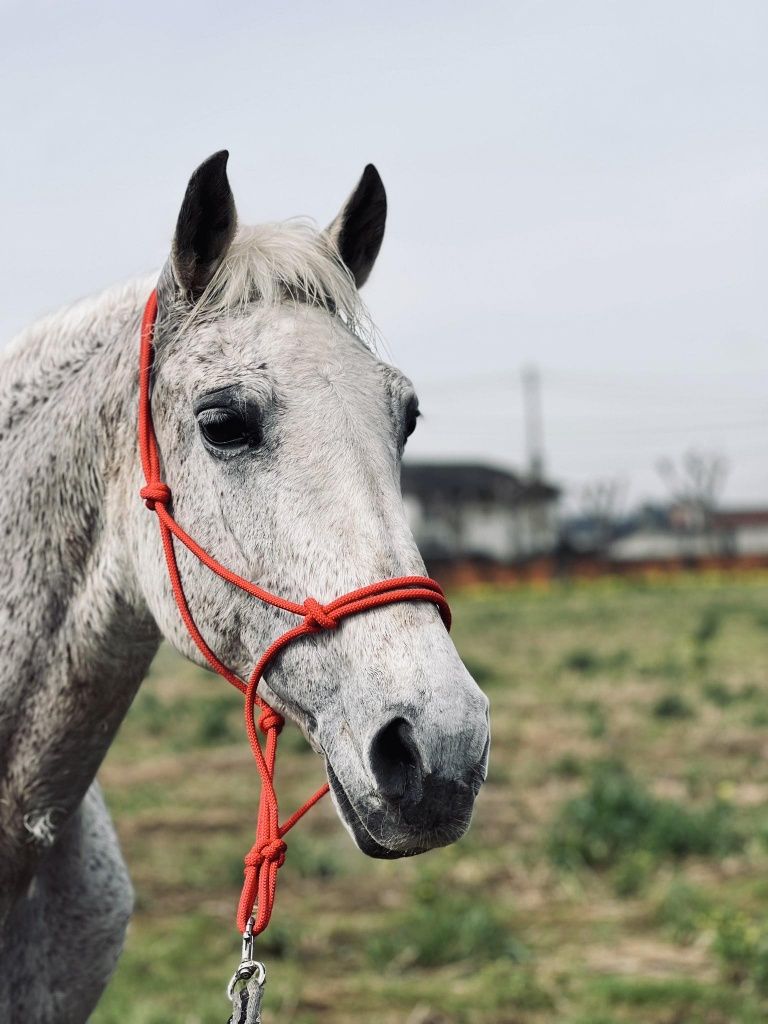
<point>281,432</point>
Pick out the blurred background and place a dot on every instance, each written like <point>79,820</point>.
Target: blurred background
<point>573,277</point>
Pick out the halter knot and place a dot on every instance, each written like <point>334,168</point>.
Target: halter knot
<point>269,719</point>
<point>156,493</point>
<point>270,852</point>
<point>317,617</point>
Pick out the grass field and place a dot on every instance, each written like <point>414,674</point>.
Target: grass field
<point>616,869</point>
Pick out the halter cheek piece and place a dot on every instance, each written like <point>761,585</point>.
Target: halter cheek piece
<point>267,854</point>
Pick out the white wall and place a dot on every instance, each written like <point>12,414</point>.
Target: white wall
<point>484,530</point>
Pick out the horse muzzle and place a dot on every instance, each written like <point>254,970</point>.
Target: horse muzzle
<point>414,806</point>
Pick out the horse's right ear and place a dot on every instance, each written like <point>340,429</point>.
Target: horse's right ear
<point>205,228</point>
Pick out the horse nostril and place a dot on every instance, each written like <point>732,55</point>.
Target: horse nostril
<point>396,762</point>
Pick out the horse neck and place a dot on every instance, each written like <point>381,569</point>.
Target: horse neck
<point>75,635</point>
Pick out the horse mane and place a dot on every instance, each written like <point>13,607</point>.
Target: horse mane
<point>270,264</point>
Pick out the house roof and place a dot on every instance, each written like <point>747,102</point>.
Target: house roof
<point>470,481</point>
<point>731,519</point>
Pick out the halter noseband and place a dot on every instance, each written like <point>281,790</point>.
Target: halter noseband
<point>267,854</point>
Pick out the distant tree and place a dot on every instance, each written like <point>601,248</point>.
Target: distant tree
<point>695,484</point>
<point>601,502</point>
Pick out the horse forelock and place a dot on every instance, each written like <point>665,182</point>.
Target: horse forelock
<point>270,264</point>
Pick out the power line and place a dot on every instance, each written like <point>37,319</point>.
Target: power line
<point>629,378</point>
<point>601,422</point>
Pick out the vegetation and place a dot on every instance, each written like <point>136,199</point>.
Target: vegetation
<point>617,816</point>
<point>617,867</point>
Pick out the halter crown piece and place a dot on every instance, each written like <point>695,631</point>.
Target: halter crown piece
<point>267,854</point>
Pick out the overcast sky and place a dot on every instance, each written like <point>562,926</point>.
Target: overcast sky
<point>582,186</point>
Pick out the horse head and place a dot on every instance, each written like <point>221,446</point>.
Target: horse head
<point>281,435</point>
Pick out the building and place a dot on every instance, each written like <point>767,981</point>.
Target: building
<point>745,531</point>
<point>671,534</point>
<point>467,511</point>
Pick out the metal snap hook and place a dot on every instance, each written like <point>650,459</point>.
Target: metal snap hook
<point>248,968</point>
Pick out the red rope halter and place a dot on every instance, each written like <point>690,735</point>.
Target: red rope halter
<point>267,854</point>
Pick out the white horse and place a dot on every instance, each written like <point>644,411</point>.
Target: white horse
<point>281,434</point>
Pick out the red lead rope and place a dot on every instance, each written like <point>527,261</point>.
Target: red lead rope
<point>267,854</point>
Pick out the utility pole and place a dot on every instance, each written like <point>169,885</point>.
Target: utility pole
<point>534,422</point>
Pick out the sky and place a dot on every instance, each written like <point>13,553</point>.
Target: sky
<point>579,187</point>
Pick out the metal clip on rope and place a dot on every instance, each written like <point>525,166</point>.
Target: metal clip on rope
<point>248,967</point>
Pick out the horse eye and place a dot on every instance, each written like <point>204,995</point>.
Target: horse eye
<point>224,428</point>
<point>411,416</point>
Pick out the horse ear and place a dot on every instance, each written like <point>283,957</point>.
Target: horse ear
<point>206,226</point>
<point>359,228</point>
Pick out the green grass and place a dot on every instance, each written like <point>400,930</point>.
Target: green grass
<point>672,705</point>
<point>616,871</point>
<point>440,925</point>
<point>617,815</point>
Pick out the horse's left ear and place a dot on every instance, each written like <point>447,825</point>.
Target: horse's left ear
<point>359,228</point>
<point>206,226</point>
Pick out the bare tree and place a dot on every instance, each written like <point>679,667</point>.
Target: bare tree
<point>695,484</point>
<point>601,502</point>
